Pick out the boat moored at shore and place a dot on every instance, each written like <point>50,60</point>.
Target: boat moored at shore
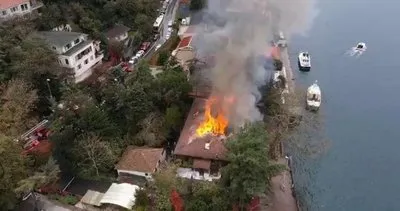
<point>304,61</point>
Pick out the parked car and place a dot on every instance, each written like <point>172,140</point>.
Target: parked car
<point>170,23</point>
<point>139,53</point>
<point>157,47</point>
<point>155,37</point>
<point>145,46</point>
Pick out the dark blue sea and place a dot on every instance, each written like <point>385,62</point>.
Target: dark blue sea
<point>354,165</point>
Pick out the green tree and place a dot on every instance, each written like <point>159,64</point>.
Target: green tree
<point>17,106</point>
<point>163,58</point>
<point>46,174</point>
<point>249,170</point>
<point>173,87</point>
<point>196,5</point>
<point>51,17</point>
<point>77,116</point>
<point>173,118</point>
<point>206,196</point>
<point>12,169</point>
<point>152,130</point>
<point>165,181</point>
<point>142,200</point>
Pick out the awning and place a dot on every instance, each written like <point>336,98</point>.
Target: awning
<point>201,164</point>
<point>120,194</point>
<point>92,198</point>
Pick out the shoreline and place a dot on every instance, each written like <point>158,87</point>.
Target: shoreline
<point>283,195</point>
<point>291,87</point>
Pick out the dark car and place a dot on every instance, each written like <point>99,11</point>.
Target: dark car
<point>155,37</point>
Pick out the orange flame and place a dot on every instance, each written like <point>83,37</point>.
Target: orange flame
<point>211,125</point>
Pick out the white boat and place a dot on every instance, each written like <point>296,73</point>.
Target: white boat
<point>361,46</point>
<point>304,61</point>
<point>313,97</point>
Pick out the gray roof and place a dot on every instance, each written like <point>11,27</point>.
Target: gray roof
<point>59,38</point>
<point>77,48</point>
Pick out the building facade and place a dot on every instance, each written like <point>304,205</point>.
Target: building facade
<point>10,8</point>
<point>76,51</point>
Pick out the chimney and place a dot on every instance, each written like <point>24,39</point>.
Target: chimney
<point>207,146</point>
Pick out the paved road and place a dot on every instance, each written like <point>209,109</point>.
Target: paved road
<point>169,15</point>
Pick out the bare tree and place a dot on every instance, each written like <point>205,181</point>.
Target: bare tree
<point>94,155</point>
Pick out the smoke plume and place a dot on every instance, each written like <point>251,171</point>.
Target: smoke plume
<point>248,27</point>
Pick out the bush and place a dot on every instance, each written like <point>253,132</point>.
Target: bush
<point>163,58</point>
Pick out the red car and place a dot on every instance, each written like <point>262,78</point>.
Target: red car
<point>145,46</point>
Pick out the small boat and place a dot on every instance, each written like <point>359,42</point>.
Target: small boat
<point>313,97</point>
<point>304,61</point>
<point>361,46</point>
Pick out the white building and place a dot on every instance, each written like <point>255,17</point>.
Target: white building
<point>141,162</point>
<point>76,51</point>
<point>9,8</point>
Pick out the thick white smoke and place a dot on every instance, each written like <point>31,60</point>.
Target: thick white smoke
<point>249,26</point>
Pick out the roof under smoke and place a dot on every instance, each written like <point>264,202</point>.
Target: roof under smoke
<point>189,145</point>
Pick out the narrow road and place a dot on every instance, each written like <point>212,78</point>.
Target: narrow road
<point>170,14</point>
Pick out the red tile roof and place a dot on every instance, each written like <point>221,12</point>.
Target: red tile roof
<point>5,4</point>
<point>195,147</point>
<point>140,159</point>
<point>185,42</point>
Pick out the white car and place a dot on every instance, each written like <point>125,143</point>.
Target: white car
<point>133,60</point>
<point>169,30</point>
<point>170,23</point>
<point>167,36</point>
<point>139,53</point>
<point>157,47</point>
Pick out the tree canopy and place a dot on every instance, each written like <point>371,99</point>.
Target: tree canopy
<point>249,170</point>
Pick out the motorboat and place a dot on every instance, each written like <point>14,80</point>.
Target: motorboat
<point>304,61</point>
<point>313,97</point>
<point>361,46</point>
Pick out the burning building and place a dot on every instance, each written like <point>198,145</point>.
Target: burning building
<point>202,140</point>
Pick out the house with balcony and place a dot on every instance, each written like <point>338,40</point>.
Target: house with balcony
<point>10,8</point>
<point>75,51</point>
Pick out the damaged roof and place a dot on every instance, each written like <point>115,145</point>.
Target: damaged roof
<point>195,147</point>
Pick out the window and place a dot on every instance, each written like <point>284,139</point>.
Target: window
<point>66,61</point>
<point>14,9</point>
<point>77,41</point>
<point>86,61</point>
<point>24,7</point>
<point>68,46</point>
<point>54,47</point>
<point>79,66</point>
<point>4,12</point>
